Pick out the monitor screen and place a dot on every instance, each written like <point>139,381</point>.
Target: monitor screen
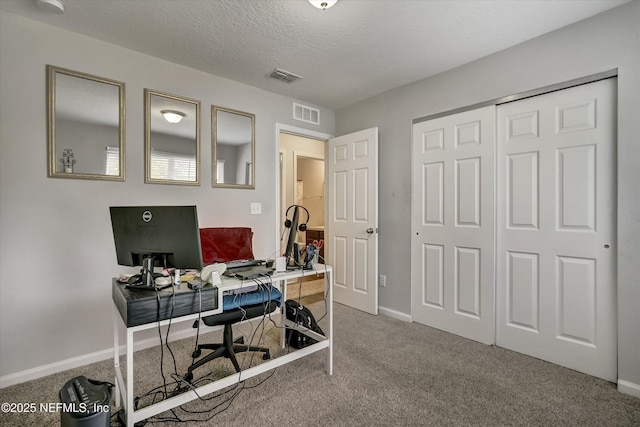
<point>169,235</point>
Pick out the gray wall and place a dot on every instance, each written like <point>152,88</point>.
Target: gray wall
<point>57,256</point>
<point>610,40</point>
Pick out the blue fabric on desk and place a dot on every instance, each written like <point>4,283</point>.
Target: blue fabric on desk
<point>229,302</point>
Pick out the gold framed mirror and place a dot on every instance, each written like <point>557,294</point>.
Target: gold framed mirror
<point>86,125</point>
<point>172,139</point>
<point>233,148</point>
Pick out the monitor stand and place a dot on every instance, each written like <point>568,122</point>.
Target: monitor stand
<point>147,278</point>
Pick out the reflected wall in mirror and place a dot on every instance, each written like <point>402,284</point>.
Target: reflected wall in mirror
<point>172,139</point>
<point>233,134</point>
<point>85,117</point>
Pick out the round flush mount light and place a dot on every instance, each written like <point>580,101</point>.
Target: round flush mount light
<point>172,116</point>
<point>53,6</point>
<point>323,4</point>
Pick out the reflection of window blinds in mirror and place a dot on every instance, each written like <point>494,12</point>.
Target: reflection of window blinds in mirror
<point>112,164</point>
<point>173,166</point>
<point>220,171</point>
<point>247,173</point>
<point>306,114</point>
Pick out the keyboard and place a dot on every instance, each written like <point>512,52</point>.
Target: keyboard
<point>243,263</point>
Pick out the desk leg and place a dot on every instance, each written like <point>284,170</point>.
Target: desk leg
<point>283,313</point>
<point>116,355</point>
<point>129,406</point>
<point>329,274</point>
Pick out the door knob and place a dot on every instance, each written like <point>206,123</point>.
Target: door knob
<point>370,230</point>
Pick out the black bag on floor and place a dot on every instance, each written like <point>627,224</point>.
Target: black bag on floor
<point>297,313</point>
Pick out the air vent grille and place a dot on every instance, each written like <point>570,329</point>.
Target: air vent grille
<point>284,76</point>
<point>306,114</point>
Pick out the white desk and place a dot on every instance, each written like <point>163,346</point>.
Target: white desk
<point>125,390</point>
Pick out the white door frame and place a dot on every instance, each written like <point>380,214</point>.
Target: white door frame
<point>305,133</point>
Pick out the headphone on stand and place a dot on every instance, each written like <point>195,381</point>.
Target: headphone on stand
<point>303,224</point>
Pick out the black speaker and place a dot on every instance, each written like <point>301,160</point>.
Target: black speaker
<point>303,224</point>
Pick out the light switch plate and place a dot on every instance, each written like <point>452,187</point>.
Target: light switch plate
<point>256,208</point>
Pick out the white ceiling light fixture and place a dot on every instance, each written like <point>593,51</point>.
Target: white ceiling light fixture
<point>323,4</point>
<point>54,6</point>
<point>173,116</point>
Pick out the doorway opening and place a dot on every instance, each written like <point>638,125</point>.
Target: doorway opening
<point>301,178</point>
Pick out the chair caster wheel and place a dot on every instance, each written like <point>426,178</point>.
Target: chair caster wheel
<point>196,354</point>
<point>266,356</point>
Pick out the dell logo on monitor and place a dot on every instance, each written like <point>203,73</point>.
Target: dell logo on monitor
<point>146,216</point>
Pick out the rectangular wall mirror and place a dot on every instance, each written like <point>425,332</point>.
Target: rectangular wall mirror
<point>85,117</point>
<point>233,151</point>
<point>172,139</point>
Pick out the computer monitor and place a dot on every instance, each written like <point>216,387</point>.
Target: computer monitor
<point>148,236</point>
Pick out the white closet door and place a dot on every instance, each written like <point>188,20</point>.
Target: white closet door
<point>453,224</point>
<point>556,283</point>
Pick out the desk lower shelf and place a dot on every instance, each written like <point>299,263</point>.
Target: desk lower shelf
<point>139,306</point>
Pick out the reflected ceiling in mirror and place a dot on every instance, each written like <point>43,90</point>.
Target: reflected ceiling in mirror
<point>172,139</point>
<point>85,116</point>
<point>233,151</point>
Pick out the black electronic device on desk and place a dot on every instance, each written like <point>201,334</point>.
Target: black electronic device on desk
<point>292,251</point>
<point>256,272</point>
<point>140,307</point>
<point>156,236</point>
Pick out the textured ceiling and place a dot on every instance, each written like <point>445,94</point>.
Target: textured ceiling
<point>356,49</point>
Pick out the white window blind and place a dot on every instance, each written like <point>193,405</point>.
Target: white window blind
<point>220,171</point>
<point>112,163</point>
<point>173,166</point>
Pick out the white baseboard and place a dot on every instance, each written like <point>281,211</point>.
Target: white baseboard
<point>627,387</point>
<point>394,314</point>
<point>52,368</point>
<point>86,359</point>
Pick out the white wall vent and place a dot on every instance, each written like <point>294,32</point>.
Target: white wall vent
<point>306,114</point>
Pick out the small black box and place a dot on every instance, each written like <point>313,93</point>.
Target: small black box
<point>140,306</point>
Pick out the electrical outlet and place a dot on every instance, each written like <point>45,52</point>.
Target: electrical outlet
<point>382,281</point>
<point>256,208</point>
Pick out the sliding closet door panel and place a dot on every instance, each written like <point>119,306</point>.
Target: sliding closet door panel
<point>556,284</point>
<point>453,224</point>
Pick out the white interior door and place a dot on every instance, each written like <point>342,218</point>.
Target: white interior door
<point>556,234</point>
<point>352,221</point>
<point>452,243</point>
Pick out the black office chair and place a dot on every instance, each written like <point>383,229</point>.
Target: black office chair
<point>228,347</point>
